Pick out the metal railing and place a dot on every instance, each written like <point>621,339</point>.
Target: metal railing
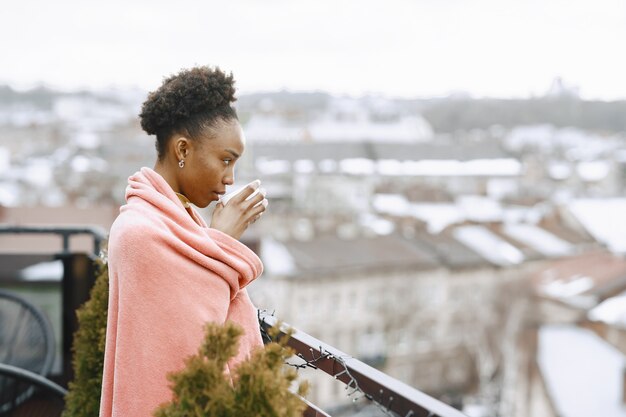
<point>65,232</point>
<point>393,396</point>
<point>79,275</point>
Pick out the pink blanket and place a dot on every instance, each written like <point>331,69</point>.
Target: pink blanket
<point>169,275</point>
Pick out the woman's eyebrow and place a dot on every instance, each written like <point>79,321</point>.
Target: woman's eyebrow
<point>233,153</point>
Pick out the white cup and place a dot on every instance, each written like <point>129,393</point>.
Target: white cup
<point>226,197</point>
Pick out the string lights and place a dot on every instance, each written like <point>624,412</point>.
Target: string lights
<point>352,384</point>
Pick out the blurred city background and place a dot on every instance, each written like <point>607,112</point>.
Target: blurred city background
<point>447,180</point>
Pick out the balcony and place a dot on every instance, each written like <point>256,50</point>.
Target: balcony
<point>362,382</point>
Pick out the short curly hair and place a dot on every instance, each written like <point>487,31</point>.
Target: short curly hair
<point>188,103</point>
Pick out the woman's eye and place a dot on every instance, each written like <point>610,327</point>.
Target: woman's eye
<point>227,161</point>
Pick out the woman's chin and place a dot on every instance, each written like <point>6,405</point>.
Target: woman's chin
<point>203,204</point>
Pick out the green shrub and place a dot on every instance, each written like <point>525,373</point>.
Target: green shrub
<point>260,386</point>
<point>83,398</point>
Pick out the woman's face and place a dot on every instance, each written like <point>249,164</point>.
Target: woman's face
<point>210,163</point>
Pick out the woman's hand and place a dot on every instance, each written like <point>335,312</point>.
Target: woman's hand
<point>234,217</point>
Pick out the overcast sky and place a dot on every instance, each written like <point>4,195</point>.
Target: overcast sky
<point>497,48</point>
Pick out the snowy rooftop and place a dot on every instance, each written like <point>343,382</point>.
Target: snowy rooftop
<point>611,311</point>
<point>490,246</point>
<point>519,226</point>
<point>504,167</point>
<point>539,239</point>
<point>391,158</point>
<point>354,127</point>
<point>323,254</point>
<point>579,145</point>
<point>604,219</point>
<point>276,258</point>
<point>581,280</point>
<point>439,215</point>
<point>583,374</point>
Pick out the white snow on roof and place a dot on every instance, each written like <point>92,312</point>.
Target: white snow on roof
<point>479,208</point>
<point>38,172</point>
<point>357,166</point>
<point>352,127</point>
<point>539,136</point>
<point>304,166</point>
<point>393,204</point>
<point>437,216</point>
<point>539,239</point>
<point>5,159</point>
<point>593,170</point>
<point>272,167</point>
<point>276,258</point>
<point>377,224</point>
<point>451,168</point>
<point>495,167</point>
<point>604,219</point>
<point>26,116</point>
<point>358,127</point>
<point>559,170</point>
<point>488,245</point>
<point>273,128</point>
<point>578,145</point>
<point>611,311</point>
<point>86,139</point>
<point>499,188</point>
<point>80,163</point>
<point>92,113</point>
<point>563,289</point>
<point>9,194</point>
<point>583,374</point>
<point>620,155</point>
<point>523,214</point>
<point>389,167</point>
<point>328,166</point>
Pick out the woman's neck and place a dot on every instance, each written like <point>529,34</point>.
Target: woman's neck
<point>162,168</point>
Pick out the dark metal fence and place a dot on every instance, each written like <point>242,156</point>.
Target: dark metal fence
<point>79,274</point>
<point>395,398</point>
<point>65,232</point>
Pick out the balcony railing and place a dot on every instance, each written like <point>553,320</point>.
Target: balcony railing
<point>393,396</point>
<point>78,278</point>
<point>65,232</point>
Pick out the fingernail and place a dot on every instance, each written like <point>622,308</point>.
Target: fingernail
<point>255,184</point>
<point>264,202</point>
<point>263,191</point>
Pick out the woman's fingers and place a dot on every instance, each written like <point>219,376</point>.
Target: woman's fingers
<point>235,216</point>
<point>256,199</point>
<point>256,212</point>
<point>262,207</point>
<point>247,191</point>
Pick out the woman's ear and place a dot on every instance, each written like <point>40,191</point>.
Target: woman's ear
<point>181,147</point>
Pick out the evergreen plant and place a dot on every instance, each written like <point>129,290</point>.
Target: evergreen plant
<point>259,386</point>
<point>83,398</point>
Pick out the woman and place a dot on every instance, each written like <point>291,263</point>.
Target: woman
<point>169,273</point>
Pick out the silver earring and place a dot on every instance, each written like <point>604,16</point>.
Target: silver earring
<point>181,163</point>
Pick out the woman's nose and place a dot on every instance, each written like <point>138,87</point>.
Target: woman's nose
<point>229,178</point>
